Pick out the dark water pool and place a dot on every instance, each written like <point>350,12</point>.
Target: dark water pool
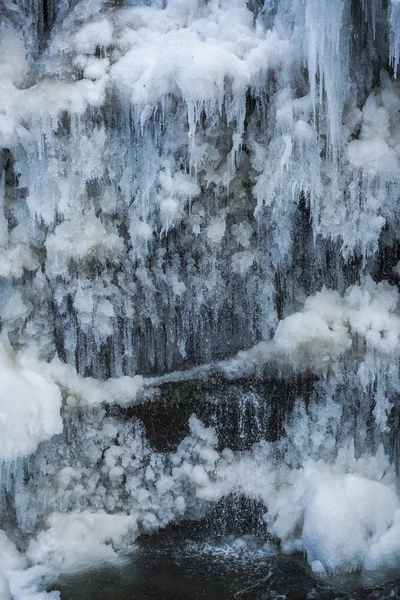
<point>169,566</point>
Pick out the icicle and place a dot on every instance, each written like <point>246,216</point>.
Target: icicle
<point>394,37</point>
<point>327,62</point>
<point>3,220</point>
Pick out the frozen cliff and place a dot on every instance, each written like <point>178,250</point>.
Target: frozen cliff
<point>194,191</point>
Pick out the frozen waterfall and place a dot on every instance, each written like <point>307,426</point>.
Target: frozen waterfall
<point>199,210</point>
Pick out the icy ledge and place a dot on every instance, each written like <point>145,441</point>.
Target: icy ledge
<point>364,321</point>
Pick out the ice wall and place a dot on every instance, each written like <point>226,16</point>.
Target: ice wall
<point>191,188</point>
<point>162,161</point>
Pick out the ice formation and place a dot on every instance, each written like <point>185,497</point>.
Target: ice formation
<point>192,189</point>
<point>30,410</point>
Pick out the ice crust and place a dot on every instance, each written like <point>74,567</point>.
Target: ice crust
<point>30,407</point>
<point>191,188</point>
<point>329,325</point>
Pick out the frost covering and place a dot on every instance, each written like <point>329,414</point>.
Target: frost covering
<point>192,190</point>
<point>29,409</point>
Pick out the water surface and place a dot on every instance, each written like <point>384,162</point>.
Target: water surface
<point>170,566</point>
